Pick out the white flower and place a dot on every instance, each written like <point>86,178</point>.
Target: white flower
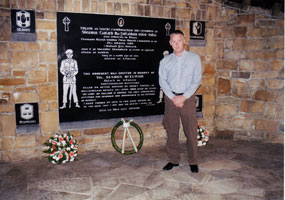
<point>67,149</point>
<point>63,143</point>
<point>200,143</point>
<point>53,162</point>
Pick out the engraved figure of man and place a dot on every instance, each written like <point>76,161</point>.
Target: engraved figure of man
<point>69,69</point>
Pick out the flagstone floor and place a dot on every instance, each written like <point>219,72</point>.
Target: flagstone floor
<point>229,170</point>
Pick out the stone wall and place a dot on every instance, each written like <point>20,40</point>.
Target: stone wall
<point>250,78</point>
<point>242,82</point>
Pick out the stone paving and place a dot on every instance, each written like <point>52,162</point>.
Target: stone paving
<point>229,170</point>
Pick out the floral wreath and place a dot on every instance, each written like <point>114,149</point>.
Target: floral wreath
<point>202,135</point>
<point>62,148</point>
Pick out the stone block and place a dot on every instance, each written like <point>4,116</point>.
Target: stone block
<point>224,134</point>
<point>85,5</point>
<point>19,154</point>
<point>44,106</point>
<point>240,31</point>
<point>264,95</point>
<point>244,20</point>
<point>147,11</point>
<point>42,35</point>
<point>264,75</point>
<point>8,124</point>
<point>25,59</point>
<point>224,86</point>
<point>12,81</point>
<point>97,131</point>
<point>228,43</point>
<point>280,97</point>
<point>17,46</point>
<point>249,44</point>
<point>46,4</point>
<point>275,83</point>
<point>85,140</point>
<point>41,139</point>
<point>212,13</point>
<point>5,3</point>
<point>263,55</point>
<point>183,13</point>
<point>5,69</point>
<point>280,53</point>
<point>134,10</point>
<point>241,89</point>
<point>227,32</point>
<point>265,125</point>
<point>227,65</point>
<point>47,92</point>
<point>263,31</point>
<point>276,43</point>
<point>45,25</point>
<point>25,141</point>
<point>52,73</point>
<point>77,6</point>
<point>125,9</point>
<point>5,108</point>
<point>37,76</point>
<point>68,5</point>
<point>241,123</point>
<point>280,112</point>
<point>5,24</point>
<point>276,65</point>
<point>231,110</point>
<point>101,7</point>
<point>246,65</point>
<point>26,97</point>
<point>261,65</point>
<point>209,80</point>
<point>7,143</point>
<point>235,55</point>
<point>110,7</point>
<point>33,46</point>
<point>251,106</point>
<point>244,75</point>
<point>47,57</point>
<point>53,105</point>
<point>48,46</point>
<point>270,111</point>
<point>49,121</point>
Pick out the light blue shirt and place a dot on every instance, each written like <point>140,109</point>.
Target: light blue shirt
<point>180,74</point>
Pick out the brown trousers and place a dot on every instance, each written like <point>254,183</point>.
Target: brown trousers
<point>171,122</point>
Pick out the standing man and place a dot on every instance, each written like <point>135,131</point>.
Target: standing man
<point>69,69</point>
<point>179,77</point>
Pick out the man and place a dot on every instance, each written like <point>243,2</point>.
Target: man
<point>69,69</point>
<point>179,77</point>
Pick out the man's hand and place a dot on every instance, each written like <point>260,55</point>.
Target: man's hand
<point>179,101</point>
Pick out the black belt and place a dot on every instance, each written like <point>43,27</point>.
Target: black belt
<point>176,94</point>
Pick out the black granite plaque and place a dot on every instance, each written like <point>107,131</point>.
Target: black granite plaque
<point>27,113</point>
<point>108,65</point>
<point>197,33</point>
<point>199,105</point>
<point>23,25</point>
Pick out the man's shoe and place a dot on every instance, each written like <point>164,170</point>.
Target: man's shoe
<point>194,168</point>
<point>169,166</point>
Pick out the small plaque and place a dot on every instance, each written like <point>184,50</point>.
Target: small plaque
<point>197,33</point>
<point>199,105</point>
<point>23,26</point>
<point>27,113</point>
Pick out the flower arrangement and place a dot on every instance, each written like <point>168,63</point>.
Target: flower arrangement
<point>62,148</point>
<point>202,135</point>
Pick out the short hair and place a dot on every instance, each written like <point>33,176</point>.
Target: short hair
<point>177,32</point>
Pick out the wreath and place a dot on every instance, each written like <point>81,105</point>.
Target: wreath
<point>62,148</point>
<point>202,135</point>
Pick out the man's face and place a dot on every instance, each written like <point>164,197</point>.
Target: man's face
<point>69,55</point>
<point>177,42</point>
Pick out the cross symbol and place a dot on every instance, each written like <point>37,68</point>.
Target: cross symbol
<point>167,28</point>
<point>66,21</point>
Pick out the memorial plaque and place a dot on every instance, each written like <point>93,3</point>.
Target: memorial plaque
<point>23,25</point>
<point>27,113</point>
<point>108,65</point>
<point>199,105</point>
<point>197,33</point>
